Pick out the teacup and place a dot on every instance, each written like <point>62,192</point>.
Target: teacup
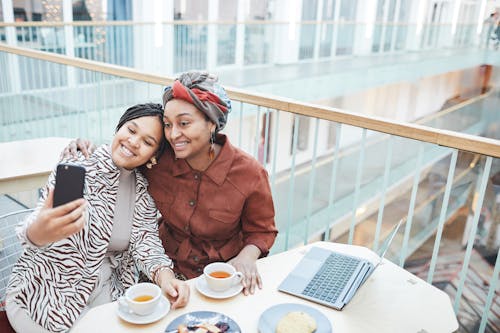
<point>221,276</point>
<point>141,298</point>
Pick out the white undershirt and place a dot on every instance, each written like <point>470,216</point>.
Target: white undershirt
<point>124,212</point>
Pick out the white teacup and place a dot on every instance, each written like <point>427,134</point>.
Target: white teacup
<point>221,276</point>
<point>141,298</point>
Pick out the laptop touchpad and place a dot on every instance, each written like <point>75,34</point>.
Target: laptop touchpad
<point>307,268</point>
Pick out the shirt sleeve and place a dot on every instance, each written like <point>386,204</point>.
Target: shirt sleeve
<point>148,252</point>
<point>22,227</point>
<point>258,224</point>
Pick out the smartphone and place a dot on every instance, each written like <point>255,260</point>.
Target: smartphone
<point>70,179</point>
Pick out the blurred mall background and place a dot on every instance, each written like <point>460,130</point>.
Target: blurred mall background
<point>364,112</point>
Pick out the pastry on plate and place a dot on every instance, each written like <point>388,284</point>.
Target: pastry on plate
<point>296,322</point>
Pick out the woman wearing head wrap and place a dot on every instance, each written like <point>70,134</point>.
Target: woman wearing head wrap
<point>215,199</point>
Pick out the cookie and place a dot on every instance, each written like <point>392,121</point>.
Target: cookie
<point>296,322</point>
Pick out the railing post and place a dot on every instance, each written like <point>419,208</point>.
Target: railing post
<point>495,214</point>
<point>472,232</point>
<point>491,294</point>
<point>275,136</point>
<point>291,192</point>
<point>333,180</point>
<point>257,135</point>
<point>312,180</point>
<point>387,170</point>
<point>442,215</point>
<point>357,188</point>
<point>411,209</point>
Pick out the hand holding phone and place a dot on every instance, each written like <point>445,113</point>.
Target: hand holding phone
<point>70,180</point>
<point>54,224</point>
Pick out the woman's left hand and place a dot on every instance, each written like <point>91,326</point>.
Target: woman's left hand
<point>177,291</point>
<point>245,262</point>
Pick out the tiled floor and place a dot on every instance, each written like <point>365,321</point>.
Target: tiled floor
<point>447,276</point>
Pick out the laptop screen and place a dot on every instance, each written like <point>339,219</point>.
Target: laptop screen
<point>388,240</point>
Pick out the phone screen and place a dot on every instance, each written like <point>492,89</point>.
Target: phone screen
<point>70,180</point>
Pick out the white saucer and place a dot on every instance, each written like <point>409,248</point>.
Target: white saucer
<point>161,310</point>
<point>201,285</point>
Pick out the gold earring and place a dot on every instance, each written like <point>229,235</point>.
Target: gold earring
<point>211,150</point>
<point>152,163</point>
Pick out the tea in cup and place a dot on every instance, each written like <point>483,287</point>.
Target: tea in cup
<point>221,276</point>
<point>141,298</point>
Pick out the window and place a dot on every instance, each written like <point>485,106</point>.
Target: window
<point>25,11</point>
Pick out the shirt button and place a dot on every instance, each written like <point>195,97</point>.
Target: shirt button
<point>196,259</point>
<point>198,270</point>
<point>191,203</point>
<point>186,228</point>
<point>196,176</point>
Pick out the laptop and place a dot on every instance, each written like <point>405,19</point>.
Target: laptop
<point>331,278</point>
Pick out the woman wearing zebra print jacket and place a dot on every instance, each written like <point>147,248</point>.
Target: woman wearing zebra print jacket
<point>85,253</point>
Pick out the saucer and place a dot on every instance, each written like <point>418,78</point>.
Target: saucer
<point>201,285</point>
<point>160,311</point>
<point>269,319</point>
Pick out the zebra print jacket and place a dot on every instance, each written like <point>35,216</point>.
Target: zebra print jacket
<point>54,283</point>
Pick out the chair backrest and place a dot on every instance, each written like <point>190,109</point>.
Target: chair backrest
<point>10,248</point>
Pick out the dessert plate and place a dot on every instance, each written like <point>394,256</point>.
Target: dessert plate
<point>204,317</point>
<point>269,319</point>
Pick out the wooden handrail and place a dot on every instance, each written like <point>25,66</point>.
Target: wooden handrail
<point>471,143</point>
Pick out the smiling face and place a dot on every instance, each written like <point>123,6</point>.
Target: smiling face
<point>136,142</point>
<point>188,132</point>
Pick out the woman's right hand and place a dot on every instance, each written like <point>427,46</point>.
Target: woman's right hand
<point>54,224</point>
<point>177,291</point>
<point>85,146</point>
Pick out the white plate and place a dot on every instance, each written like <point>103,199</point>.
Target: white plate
<point>269,319</point>
<point>201,285</point>
<point>161,310</point>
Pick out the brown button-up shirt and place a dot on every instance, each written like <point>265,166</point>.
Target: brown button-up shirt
<point>211,215</point>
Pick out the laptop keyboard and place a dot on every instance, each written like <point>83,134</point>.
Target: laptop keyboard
<point>331,278</point>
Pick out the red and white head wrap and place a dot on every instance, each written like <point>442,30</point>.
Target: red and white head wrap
<point>203,91</point>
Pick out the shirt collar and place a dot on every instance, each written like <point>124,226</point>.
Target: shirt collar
<point>218,170</point>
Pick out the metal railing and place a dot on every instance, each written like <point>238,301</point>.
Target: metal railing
<point>174,46</point>
<point>330,170</point>
<point>10,248</point>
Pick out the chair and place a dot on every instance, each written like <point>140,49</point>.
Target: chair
<point>10,250</point>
